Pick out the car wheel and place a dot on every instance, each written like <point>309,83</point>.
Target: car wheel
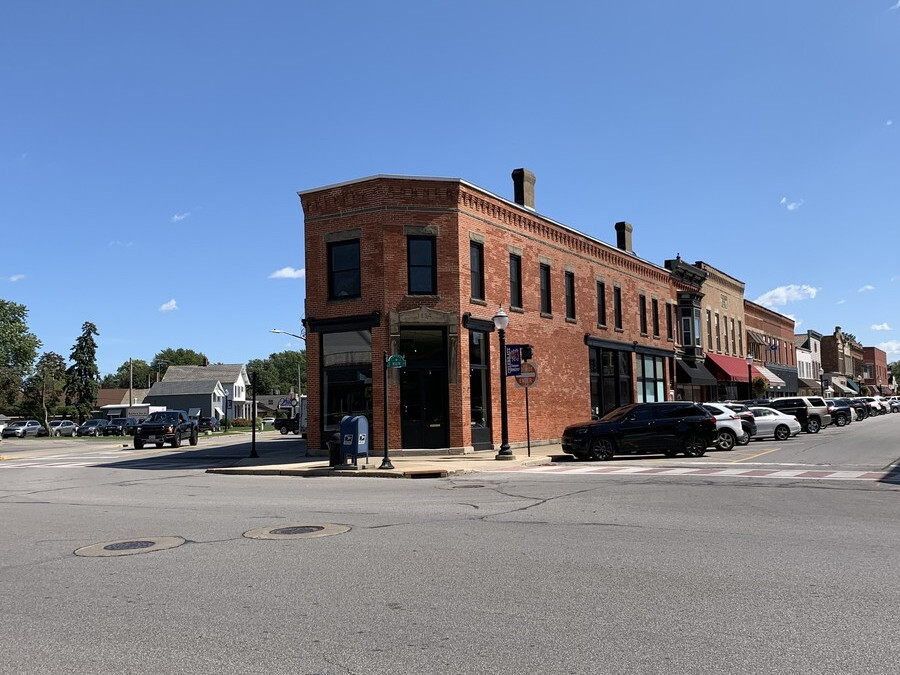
<point>602,449</point>
<point>840,420</point>
<point>194,437</point>
<point>138,444</point>
<point>57,433</point>
<point>694,446</point>
<point>283,430</point>
<point>782,433</point>
<point>813,425</point>
<point>744,438</point>
<point>176,440</point>
<point>726,439</point>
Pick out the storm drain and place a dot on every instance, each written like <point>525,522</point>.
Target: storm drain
<point>296,531</point>
<point>129,547</point>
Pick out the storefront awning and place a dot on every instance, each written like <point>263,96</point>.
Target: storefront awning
<point>773,379</point>
<point>810,384</point>
<point>727,367</point>
<point>841,389</point>
<point>690,372</point>
<point>853,386</point>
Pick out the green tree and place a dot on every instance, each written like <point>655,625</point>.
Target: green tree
<point>44,390</point>
<point>18,350</point>
<point>136,373</point>
<point>280,372</point>
<point>82,377</point>
<point>176,357</point>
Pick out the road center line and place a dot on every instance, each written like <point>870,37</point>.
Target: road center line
<point>737,461</point>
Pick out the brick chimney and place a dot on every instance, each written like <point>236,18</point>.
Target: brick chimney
<point>623,236</point>
<point>523,188</point>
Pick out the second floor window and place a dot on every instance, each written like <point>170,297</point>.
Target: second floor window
<point>642,307</point>
<point>546,304</point>
<point>515,280</point>
<point>343,270</point>
<point>601,303</point>
<point>654,315</point>
<point>476,263</point>
<point>617,306</point>
<point>570,295</point>
<point>421,258</point>
<point>709,330</point>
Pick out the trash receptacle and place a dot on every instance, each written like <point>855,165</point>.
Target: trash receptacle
<point>334,450</point>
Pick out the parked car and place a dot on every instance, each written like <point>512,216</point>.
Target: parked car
<point>895,403</point>
<point>840,410</point>
<point>22,429</point>
<point>120,426</point>
<point>728,425</point>
<point>208,424</point>
<point>810,411</point>
<point>91,428</point>
<point>860,408</point>
<point>59,428</point>
<point>166,426</point>
<point>667,427</point>
<point>771,423</point>
<point>748,420</point>
<point>875,406</point>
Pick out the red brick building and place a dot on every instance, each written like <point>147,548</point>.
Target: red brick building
<point>419,266</point>
<point>875,370</point>
<point>770,340</point>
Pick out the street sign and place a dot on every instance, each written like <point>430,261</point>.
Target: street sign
<point>513,360</point>
<point>396,361</point>
<point>528,375</point>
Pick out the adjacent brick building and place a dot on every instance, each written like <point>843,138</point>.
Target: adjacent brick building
<point>419,266</point>
<point>770,340</point>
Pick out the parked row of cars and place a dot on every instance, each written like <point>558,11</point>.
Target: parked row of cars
<point>674,427</point>
<point>122,426</point>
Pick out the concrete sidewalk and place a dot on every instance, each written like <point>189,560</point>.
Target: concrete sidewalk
<point>405,466</point>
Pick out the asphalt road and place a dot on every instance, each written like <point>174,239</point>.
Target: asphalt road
<point>495,573</point>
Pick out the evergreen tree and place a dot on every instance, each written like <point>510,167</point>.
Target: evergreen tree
<point>82,377</point>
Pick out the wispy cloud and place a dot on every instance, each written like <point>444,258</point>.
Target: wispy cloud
<point>880,326</point>
<point>790,206</point>
<point>841,302</point>
<point>115,243</point>
<point>897,6</point>
<point>178,217</point>
<point>16,277</point>
<point>867,287</point>
<point>889,123</point>
<point>168,306</point>
<point>785,294</point>
<point>895,279</point>
<point>288,273</point>
<point>891,347</point>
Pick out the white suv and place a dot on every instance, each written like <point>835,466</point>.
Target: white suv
<point>728,425</point>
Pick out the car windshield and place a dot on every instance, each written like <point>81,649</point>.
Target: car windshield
<point>17,424</point>
<point>94,423</point>
<point>166,417</point>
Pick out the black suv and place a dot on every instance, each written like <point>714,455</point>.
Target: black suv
<point>840,411</point>
<point>670,428</point>
<point>810,411</point>
<point>166,426</point>
<point>120,426</point>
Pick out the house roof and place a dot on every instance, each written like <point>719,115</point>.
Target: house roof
<point>119,396</point>
<point>227,373</point>
<point>178,387</point>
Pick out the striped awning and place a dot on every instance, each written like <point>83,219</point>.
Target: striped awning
<point>774,380</point>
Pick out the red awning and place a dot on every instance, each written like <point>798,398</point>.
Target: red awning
<point>728,367</point>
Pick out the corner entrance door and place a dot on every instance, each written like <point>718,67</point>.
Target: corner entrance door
<point>424,405</point>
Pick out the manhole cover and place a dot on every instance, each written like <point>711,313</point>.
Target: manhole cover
<point>296,531</point>
<point>300,529</point>
<point>109,549</point>
<point>128,545</point>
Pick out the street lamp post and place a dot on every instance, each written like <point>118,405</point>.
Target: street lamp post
<point>299,337</point>
<point>501,321</point>
<point>822,380</point>
<point>750,374</point>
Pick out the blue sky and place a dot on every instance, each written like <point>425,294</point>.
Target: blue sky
<point>150,153</point>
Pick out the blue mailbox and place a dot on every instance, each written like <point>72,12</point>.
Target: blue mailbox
<point>354,438</point>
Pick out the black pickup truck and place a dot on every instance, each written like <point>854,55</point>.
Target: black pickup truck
<point>166,426</point>
<point>288,425</point>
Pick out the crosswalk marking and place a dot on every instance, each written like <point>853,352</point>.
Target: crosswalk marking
<point>712,472</point>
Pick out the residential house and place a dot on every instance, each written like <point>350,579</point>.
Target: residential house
<point>199,398</point>
<point>233,378</point>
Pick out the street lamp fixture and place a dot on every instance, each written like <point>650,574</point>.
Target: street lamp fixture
<point>749,360</point>
<point>501,321</point>
<point>278,330</point>
<point>822,380</point>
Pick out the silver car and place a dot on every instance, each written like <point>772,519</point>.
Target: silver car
<point>22,429</point>
<point>62,428</point>
<point>771,423</point>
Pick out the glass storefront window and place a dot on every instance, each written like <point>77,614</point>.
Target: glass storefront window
<point>347,376</point>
